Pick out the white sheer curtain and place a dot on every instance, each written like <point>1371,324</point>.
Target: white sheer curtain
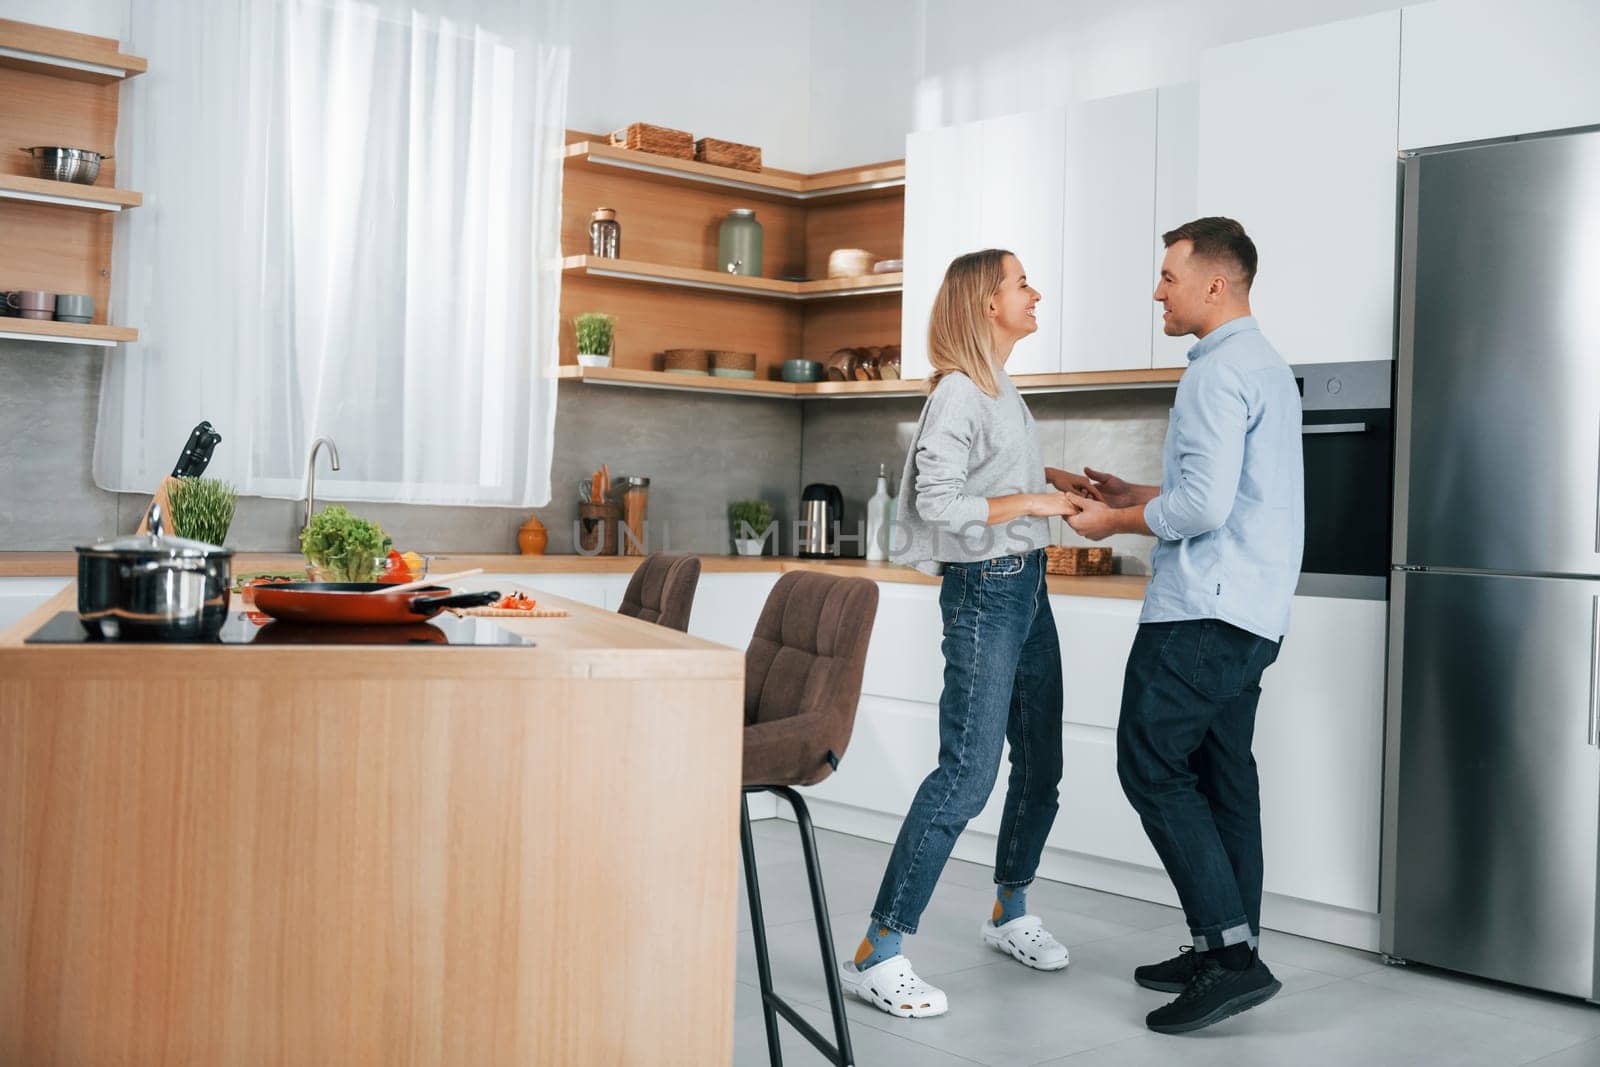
<point>351,227</point>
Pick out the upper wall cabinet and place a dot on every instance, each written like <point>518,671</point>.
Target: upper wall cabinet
<point>1071,192</point>
<point>944,183</point>
<point>1298,135</point>
<point>1110,194</point>
<point>1472,70</point>
<point>1020,209</point>
<point>1177,200</point>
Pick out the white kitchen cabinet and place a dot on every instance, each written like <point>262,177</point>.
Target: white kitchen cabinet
<point>1177,200</point>
<point>1298,136</point>
<point>1021,210</point>
<point>944,186</point>
<point>1104,308</point>
<point>904,658</point>
<point>1095,818</point>
<point>726,607</point>
<point>1319,750</point>
<point>1318,746</point>
<point>893,747</point>
<point>1472,70</point>
<point>19,596</point>
<point>1095,634</point>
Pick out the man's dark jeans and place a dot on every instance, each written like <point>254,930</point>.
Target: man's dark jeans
<point>1183,753</point>
<point>1002,682</point>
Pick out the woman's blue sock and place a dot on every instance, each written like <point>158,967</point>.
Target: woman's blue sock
<point>1010,902</point>
<point>880,944</point>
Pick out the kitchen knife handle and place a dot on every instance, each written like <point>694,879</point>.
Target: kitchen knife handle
<point>202,457</point>
<point>186,456</point>
<point>1594,672</point>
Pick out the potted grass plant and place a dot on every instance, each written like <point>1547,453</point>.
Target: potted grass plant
<point>201,508</point>
<point>595,334</point>
<point>750,521</point>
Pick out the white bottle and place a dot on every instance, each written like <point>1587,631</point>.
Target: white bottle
<point>879,508</point>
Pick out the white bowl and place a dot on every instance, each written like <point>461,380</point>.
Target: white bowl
<point>593,361</point>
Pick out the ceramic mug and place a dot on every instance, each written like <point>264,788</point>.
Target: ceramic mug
<point>32,300</point>
<point>74,307</point>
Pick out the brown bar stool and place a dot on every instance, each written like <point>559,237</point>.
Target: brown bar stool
<point>802,681</point>
<point>662,590</point>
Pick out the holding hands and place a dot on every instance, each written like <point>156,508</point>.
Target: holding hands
<point>1112,490</point>
<point>1068,482</point>
<point>1092,519</point>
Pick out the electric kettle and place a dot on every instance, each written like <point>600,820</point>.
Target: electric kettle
<point>821,512</point>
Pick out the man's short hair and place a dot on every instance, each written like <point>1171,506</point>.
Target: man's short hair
<point>1218,238</point>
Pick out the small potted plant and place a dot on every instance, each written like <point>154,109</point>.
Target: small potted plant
<point>202,508</point>
<point>594,338</point>
<point>750,521</point>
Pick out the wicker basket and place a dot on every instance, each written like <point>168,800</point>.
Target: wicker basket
<point>1077,559</point>
<point>727,154</point>
<point>659,140</point>
<point>733,361</point>
<point>685,360</point>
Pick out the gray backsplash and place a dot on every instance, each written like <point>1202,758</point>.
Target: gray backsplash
<point>1119,431</point>
<point>701,453</point>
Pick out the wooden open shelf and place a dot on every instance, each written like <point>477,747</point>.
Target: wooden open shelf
<point>69,333</point>
<point>768,183</point>
<point>78,56</point>
<point>60,88</point>
<point>1026,383</point>
<point>666,290</point>
<point>694,278</point>
<point>67,194</point>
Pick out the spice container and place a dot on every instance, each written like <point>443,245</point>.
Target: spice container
<point>739,243</point>
<point>635,500</point>
<point>605,233</point>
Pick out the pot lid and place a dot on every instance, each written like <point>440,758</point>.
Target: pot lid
<point>155,543</point>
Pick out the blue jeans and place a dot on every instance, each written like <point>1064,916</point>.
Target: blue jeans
<point>1002,682</point>
<point>1183,753</point>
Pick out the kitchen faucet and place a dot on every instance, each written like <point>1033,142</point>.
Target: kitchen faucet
<point>311,473</point>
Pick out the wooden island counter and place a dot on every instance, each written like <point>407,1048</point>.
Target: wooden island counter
<point>370,855</point>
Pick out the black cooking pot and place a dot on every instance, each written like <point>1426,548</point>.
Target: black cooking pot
<point>150,587</point>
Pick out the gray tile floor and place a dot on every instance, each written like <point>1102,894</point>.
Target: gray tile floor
<point>1338,1006</point>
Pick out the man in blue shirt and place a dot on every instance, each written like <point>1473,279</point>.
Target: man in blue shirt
<point>1229,516</point>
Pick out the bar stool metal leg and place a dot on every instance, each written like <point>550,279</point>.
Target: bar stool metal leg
<point>841,1054</point>
<point>819,907</point>
<point>758,931</point>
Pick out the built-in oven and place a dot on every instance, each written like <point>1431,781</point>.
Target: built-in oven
<point>1347,430</point>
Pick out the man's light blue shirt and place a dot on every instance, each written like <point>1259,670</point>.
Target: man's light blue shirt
<point>1231,514</point>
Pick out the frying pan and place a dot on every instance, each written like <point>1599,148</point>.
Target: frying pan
<point>355,603</point>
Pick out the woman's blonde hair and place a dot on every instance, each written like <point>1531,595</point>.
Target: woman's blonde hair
<point>958,325</point>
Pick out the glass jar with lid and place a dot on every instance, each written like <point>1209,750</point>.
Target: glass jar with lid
<point>605,233</point>
<point>739,243</point>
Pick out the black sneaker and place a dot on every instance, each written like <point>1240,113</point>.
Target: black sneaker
<point>1213,994</point>
<point>1171,976</point>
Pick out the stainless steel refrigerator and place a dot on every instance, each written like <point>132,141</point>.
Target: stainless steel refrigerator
<point>1492,770</point>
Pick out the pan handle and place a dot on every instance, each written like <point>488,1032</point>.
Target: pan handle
<point>427,605</point>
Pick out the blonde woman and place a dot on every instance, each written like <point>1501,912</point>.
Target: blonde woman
<point>976,499</point>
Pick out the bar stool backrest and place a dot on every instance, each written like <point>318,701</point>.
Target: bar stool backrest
<point>802,676</point>
<point>662,590</point>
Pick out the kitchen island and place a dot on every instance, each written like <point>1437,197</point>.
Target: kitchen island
<point>370,855</point>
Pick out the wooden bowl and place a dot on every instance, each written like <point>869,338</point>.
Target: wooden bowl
<point>849,263</point>
<point>842,365</point>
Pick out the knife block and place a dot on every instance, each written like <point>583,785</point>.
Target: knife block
<point>166,510</point>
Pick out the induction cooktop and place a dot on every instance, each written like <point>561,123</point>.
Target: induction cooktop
<point>250,628</point>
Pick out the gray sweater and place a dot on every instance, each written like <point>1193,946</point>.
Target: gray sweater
<point>968,447</point>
